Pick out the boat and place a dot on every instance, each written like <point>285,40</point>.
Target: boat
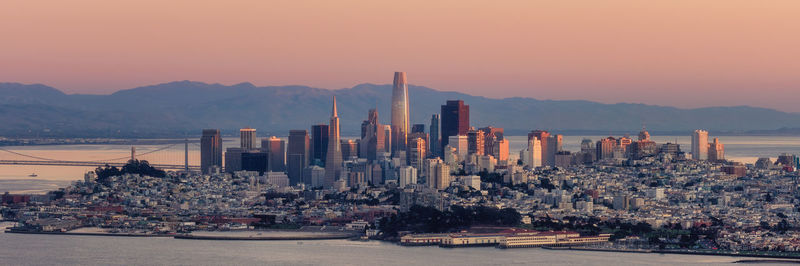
<point>33,175</point>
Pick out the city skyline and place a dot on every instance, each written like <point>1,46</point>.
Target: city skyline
<point>738,55</point>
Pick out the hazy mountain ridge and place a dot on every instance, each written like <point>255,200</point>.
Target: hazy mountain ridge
<point>184,107</point>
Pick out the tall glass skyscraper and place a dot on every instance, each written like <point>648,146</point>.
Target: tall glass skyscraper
<point>455,120</point>
<point>319,144</point>
<point>400,116</point>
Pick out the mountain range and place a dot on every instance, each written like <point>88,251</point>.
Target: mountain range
<point>183,108</point>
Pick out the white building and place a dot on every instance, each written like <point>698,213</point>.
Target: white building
<point>407,175</point>
<point>461,144</point>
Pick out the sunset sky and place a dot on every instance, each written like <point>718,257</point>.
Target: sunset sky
<point>690,53</point>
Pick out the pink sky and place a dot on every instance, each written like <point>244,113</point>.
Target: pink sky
<point>680,53</point>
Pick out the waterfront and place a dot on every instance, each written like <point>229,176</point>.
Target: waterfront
<point>15,179</point>
<point>27,249</point>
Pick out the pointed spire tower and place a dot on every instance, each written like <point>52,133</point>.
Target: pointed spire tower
<point>333,160</point>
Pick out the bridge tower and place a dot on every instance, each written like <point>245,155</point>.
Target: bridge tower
<point>133,153</point>
<point>186,155</point>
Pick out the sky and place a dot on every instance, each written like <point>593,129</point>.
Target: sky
<point>692,53</point>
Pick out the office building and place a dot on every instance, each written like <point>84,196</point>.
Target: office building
<point>475,142</point>
<point>605,148</point>
<point>716,151</point>
<point>417,149</point>
<point>254,160</point>
<point>455,120</point>
<point>233,159</point>
<point>500,149</point>
<point>333,161</point>
<point>373,137</point>
<point>460,143</point>
<point>400,117</point>
<point>700,145</point>
<point>297,155</point>
<point>434,145</point>
<point>349,149</point>
<point>247,138</point>
<point>276,148</point>
<point>210,150</point>
<point>544,139</point>
<point>319,144</point>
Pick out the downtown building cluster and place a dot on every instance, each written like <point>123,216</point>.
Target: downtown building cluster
<point>399,153</point>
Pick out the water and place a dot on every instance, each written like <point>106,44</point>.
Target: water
<point>14,178</point>
<point>19,249</point>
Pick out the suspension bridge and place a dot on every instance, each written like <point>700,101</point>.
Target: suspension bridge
<point>167,157</point>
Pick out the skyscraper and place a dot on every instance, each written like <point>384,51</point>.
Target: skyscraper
<point>333,162</point>
<point>605,148</point>
<point>210,150</point>
<point>435,145</point>
<point>373,137</point>
<point>700,145</point>
<point>417,149</point>
<point>319,144</point>
<point>455,120</point>
<point>248,138</point>
<point>544,139</point>
<point>475,142</point>
<point>400,112</point>
<point>716,151</point>
<point>349,149</point>
<point>276,148</point>
<point>297,155</point>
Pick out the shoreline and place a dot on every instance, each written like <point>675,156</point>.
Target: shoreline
<point>326,236</point>
<point>794,259</point>
<point>11,231</point>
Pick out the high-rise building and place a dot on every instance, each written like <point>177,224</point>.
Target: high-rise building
<point>248,138</point>
<point>700,145</point>
<point>716,151</point>
<point>544,138</point>
<point>233,159</point>
<point>407,176</point>
<point>643,147</point>
<point>277,153</point>
<point>491,136</point>
<point>333,161</point>
<point>297,155</point>
<point>533,153</point>
<point>475,142</point>
<point>435,145</point>
<point>460,143</point>
<point>387,140</point>
<point>605,148</point>
<point>417,150</point>
<point>400,117</point>
<point>418,128</point>
<point>500,149</point>
<point>455,120</point>
<point>210,150</point>
<point>349,149</point>
<point>373,137</point>
<point>319,144</point>
<point>437,173</point>
<point>254,160</point>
